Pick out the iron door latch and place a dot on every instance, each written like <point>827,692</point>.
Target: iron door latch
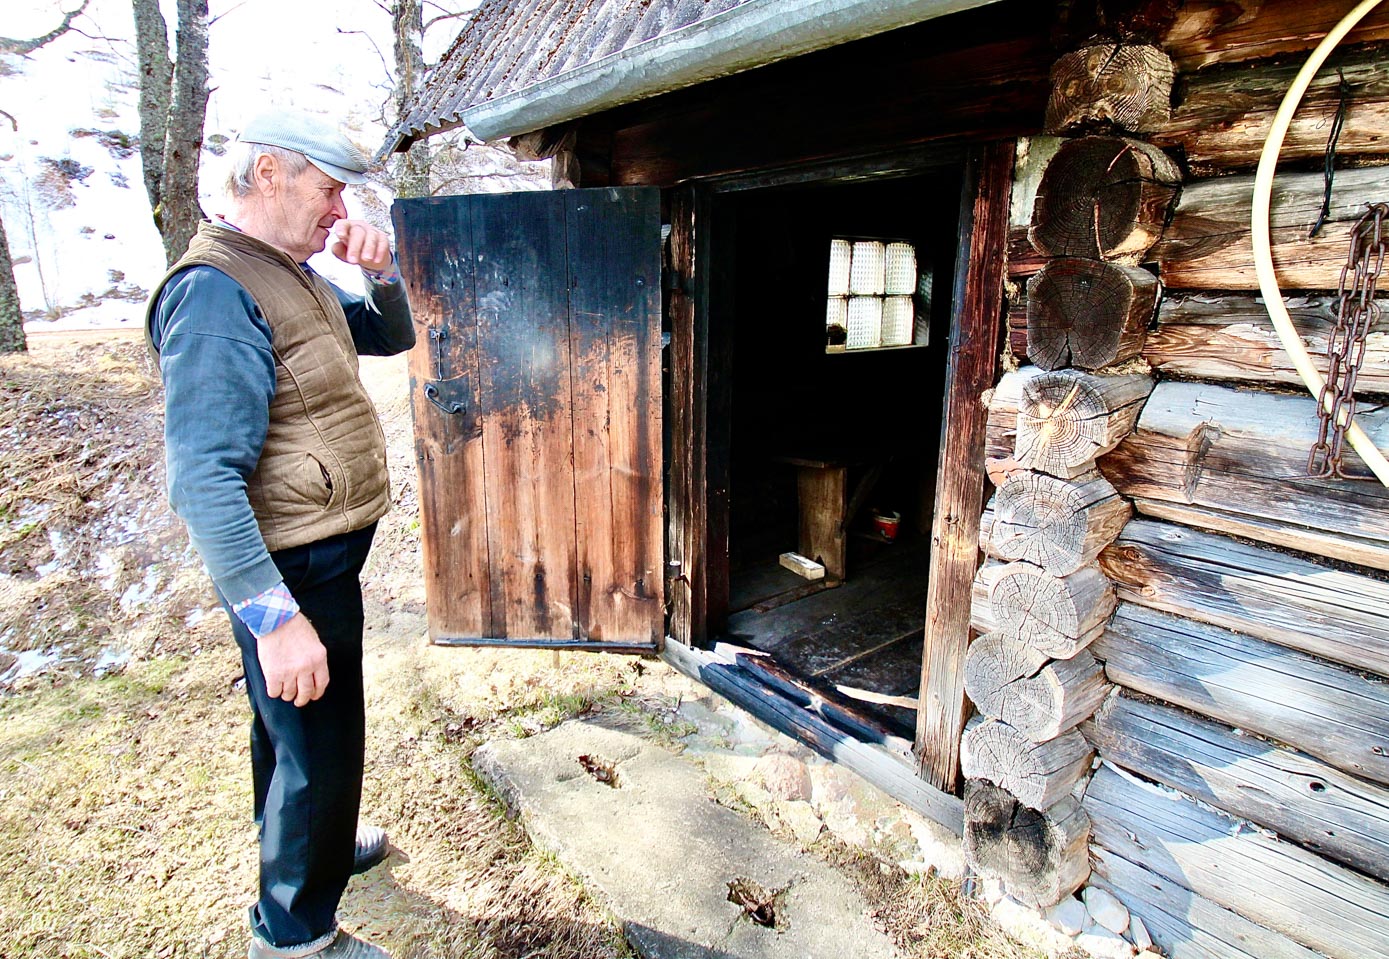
<point>449,395</point>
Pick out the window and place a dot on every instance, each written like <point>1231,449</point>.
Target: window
<point>872,301</point>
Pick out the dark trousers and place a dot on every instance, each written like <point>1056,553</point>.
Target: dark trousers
<point>306,762</point>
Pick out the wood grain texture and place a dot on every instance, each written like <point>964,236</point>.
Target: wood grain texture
<point>1234,31</point>
<point>615,344</point>
<point>436,255</point>
<point>1009,681</point>
<point>1056,615</point>
<point>1208,244</point>
<point>1334,714</point>
<point>1126,86</point>
<point>1059,525</point>
<point>1301,798</point>
<point>1039,856</point>
<point>1235,461</point>
<point>1340,616</point>
<point>1311,900</point>
<point>1066,418</point>
<point>687,487</point>
<point>1104,197</point>
<point>1088,313</point>
<point>525,398</point>
<point>1226,112</point>
<point>1184,924</point>
<point>974,339</point>
<point>1039,774</point>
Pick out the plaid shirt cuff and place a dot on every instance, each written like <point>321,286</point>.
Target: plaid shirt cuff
<point>384,277</point>
<point>267,611</point>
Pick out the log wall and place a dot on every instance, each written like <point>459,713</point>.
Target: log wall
<point>1242,721</point>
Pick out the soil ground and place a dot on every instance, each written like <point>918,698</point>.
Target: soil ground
<point>124,783</point>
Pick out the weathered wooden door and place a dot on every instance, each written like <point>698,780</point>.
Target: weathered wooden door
<point>536,386</point>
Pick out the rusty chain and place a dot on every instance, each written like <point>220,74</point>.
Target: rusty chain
<point>1356,313</point>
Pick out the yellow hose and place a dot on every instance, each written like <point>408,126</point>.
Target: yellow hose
<point>1263,253</point>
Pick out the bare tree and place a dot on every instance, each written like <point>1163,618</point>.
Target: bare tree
<point>173,108</point>
<point>26,47</point>
<point>412,171</point>
<point>12,339</point>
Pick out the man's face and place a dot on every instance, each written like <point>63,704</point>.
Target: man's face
<point>304,211</point>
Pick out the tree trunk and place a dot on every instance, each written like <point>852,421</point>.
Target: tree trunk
<point>1128,86</point>
<point>183,148</point>
<point>1088,313</point>
<point>11,317</point>
<point>1053,523</point>
<point>1042,700</point>
<point>1104,198</point>
<point>156,89</point>
<point>1066,419</point>
<point>413,168</point>
<point>173,107</point>
<point>1040,857</point>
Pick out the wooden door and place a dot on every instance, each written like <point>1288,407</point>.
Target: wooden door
<point>536,388</point>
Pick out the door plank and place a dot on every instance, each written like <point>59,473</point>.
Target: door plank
<point>614,341</point>
<point>525,391</point>
<point>436,252</point>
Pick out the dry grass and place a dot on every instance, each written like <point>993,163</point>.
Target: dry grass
<point>125,800</point>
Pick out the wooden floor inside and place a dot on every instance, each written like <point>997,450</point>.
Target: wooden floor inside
<point>864,634</point>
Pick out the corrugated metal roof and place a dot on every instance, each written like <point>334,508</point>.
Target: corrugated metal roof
<point>513,44</point>
<point>526,64</point>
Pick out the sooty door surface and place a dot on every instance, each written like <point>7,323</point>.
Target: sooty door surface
<point>537,404</point>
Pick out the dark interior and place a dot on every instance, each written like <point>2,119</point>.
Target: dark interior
<point>875,412</point>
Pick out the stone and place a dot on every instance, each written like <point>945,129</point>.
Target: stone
<point>1106,910</point>
<point>1139,933</point>
<point>832,784</point>
<point>993,890</point>
<point>1068,915</point>
<point>1027,926</point>
<point>800,817</point>
<point>785,777</point>
<point>666,880</point>
<point>754,794</point>
<point>938,846</point>
<point>1103,943</point>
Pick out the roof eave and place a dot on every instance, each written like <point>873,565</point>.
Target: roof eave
<point>746,36</point>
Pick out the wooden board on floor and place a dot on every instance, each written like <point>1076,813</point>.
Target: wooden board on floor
<point>894,669</point>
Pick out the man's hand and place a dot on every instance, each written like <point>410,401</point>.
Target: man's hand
<point>361,244</point>
<point>294,661</point>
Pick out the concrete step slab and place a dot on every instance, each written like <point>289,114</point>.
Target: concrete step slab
<point>661,853</point>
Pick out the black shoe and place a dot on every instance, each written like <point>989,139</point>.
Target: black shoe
<point>371,848</point>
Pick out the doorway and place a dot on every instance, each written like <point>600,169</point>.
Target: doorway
<point>827,375</point>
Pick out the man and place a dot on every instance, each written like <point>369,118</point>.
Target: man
<point>277,464</point>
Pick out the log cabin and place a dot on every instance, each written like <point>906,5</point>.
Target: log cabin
<point>956,301</point>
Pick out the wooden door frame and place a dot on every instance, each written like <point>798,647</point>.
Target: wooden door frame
<point>973,365</point>
<point>697,550</point>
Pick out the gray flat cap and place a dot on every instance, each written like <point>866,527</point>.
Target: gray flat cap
<point>316,138</point>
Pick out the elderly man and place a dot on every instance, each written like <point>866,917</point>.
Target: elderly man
<point>277,463</point>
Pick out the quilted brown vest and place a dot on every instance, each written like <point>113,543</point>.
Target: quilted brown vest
<point>322,470</point>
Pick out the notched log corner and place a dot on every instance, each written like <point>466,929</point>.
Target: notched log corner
<point>1040,857</point>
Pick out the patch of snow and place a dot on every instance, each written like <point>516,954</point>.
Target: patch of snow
<point>31,661</point>
<point>138,594</point>
<point>110,659</point>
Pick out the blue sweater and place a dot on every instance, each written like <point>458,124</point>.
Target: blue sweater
<point>219,378</point>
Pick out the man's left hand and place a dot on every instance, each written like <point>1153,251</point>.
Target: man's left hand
<point>361,244</point>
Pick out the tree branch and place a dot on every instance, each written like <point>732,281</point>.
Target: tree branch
<point>26,47</point>
<point>384,65</point>
<point>13,123</point>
